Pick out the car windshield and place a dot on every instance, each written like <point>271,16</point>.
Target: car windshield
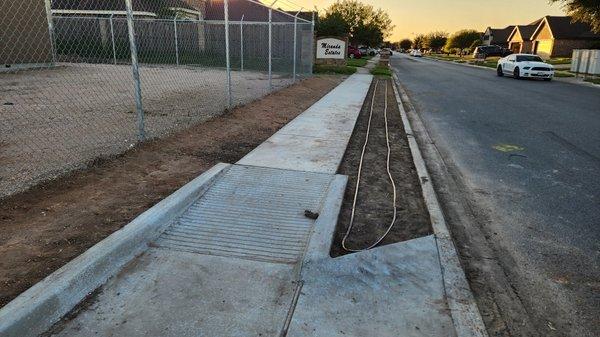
<point>529,58</point>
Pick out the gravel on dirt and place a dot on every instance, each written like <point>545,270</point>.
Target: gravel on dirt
<point>58,119</point>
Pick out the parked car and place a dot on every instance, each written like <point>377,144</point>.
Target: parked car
<point>416,53</point>
<point>354,53</point>
<point>364,50</point>
<point>525,66</point>
<point>493,50</point>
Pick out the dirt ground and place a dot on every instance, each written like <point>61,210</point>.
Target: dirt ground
<point>45,227</point>
<point>374,204</point>
<point>61,118</point>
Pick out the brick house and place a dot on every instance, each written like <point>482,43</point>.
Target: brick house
<point>24,37</point>
<point>557,36</point>
<point>520,39</point>
<point>497,36</point>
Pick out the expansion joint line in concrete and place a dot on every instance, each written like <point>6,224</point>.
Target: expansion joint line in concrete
<point>362,155</point>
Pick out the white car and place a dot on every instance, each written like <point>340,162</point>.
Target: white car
<point>525,66</point>
<point>416,53</point>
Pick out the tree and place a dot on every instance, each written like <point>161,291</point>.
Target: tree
<point>587,11</point>
<point>419,41</point>
<point>332,25</point>
<point>462,39</point>
<point>435,40</point>
<point>405,44</point>
<point>361,22</point>
<point>368,35</point>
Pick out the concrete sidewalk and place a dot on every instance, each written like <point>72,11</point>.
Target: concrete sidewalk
<point>230,265</point>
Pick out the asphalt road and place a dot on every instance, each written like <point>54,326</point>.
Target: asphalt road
<point>528,154</point>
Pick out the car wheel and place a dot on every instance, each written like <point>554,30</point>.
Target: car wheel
<point>499,71</point>
<point>351,56</point>
<point>517,74</point>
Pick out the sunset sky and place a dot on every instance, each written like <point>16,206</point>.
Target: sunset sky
<point>422,16</point>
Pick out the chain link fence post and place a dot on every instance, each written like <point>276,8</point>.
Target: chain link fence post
<point>312,43</point>
<point>136,71</point>
<point>112,36</point>
<point>228,61</point>
<point>270,47</point>
<point>176,42</point>
<point>295,42</point>
<point>242,43</point>
<point>48,4</point>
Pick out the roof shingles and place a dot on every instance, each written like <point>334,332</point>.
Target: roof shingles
<point>563,27</point>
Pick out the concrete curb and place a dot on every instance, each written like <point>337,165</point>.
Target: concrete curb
<point>37,309</point>
<point>321,238</point>
<point>463,309</point>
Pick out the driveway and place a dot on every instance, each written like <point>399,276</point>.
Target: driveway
<point>523,164</point>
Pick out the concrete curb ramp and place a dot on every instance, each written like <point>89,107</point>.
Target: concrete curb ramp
<point>223,268</point>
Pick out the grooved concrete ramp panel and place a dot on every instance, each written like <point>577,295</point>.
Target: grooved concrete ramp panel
<point>316,140</point>
<point>251,212</point>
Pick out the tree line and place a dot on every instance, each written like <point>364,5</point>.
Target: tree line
<point>440,41</point>
<point>361,23</point>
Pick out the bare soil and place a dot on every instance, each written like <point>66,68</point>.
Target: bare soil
<point>57,119</point>
<point>47,226</point>
<point>374,207</point>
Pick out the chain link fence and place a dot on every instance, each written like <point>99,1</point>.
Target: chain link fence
<point>84,80</point>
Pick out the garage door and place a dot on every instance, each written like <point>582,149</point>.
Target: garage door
<point>543,48</point>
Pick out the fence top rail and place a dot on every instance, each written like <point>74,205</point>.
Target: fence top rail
<point>182,20</point>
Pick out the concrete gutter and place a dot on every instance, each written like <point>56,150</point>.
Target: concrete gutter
<point>465,314</point>
<point>44,304</point>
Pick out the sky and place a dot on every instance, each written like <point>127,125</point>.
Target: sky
<point>413,17</point>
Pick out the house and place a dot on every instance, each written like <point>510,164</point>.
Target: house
<point>520,39</point>
<point>25,40</point>
<point>497,36</point>
<point>557,36</point>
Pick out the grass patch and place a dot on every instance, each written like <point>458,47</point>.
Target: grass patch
<point>332,69</point>
<point>559,60</point>
<point>381,71</point>
<point>593,80</point>
<point>489,64</point>
<point>563,74</point>
<point>451,57</point>
<point>356,62</point>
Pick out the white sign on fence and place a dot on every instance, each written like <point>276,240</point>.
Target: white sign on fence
<point>331,48</point>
